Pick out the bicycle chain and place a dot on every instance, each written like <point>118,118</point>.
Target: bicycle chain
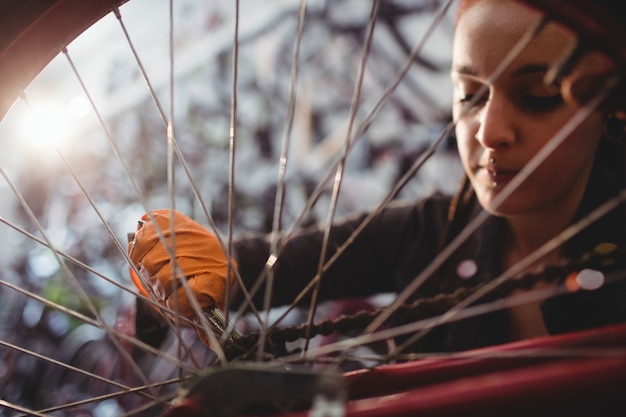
<point>605,256</point>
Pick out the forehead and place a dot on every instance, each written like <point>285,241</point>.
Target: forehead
<point>487,30</point>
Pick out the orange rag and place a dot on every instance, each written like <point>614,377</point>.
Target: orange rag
<point>198,255</point>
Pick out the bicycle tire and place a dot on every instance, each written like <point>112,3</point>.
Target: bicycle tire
<point>33,32</point>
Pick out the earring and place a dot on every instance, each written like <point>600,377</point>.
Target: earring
<point>614,127</point>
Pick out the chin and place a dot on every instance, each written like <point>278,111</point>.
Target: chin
<point>508,208</point>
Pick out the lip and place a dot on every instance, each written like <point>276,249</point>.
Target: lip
<point>498,176</point>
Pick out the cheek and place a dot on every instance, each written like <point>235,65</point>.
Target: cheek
<point>582,143</point>
<point>572,160</point>
<point>465,143</point>
<point>590,132</point>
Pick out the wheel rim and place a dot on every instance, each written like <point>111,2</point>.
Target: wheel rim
<point>65,40</point>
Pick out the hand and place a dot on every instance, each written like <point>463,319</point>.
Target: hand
<point>198,255</point>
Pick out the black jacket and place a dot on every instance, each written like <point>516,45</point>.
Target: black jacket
<point>403,239</point>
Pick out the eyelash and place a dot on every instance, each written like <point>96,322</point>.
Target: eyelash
<point>467,99</point>
<point>538,104</point>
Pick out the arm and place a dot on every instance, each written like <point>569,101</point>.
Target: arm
<point>373,263</point>
<point>390,249</point>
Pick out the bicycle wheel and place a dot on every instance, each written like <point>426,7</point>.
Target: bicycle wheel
<point>81,236</point>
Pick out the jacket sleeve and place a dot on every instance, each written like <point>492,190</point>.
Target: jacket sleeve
<point>369,264</point>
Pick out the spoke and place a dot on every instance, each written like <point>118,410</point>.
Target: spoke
<point>335,176</point>
<point>341,167</point>
<point>282,174</point>
<point>446,252</point>
<point>107,132</point>
<point>342,347</point>
<point>183,162</point>
<point>16,407</point>
<point>365,124</point>
<point>122,250</point>
<point>68,366</point>
<point>129,176</point>
<point>233,149</point>
<point>171,178</point>
<point>528,169</point>
<point>72,259</point>
<point>341,249</point>
<point>468,231</point>
<point>546,248</point>
<point>74,281</point>
<point>85,192</point>
<point>80,316</point>
<point>142,68</point>
<point>166,312</point>
<point>87,320</point>
<point>162,400</point>
<point>358,133</point>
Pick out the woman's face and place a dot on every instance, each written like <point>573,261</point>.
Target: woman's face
<point>518,114</point>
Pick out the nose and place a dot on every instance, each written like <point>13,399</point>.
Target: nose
<point>496,124</point>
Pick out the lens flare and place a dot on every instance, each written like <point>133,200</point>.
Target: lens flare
<point>45,124</point>
<point>586,279</point>
<point>467,269</point>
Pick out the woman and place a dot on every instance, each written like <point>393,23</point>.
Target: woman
<point>501,124</point>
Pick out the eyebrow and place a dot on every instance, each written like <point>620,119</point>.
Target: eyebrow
<point>519,72</point>
<point>530,69</point>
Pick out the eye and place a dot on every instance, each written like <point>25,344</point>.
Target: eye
<point>542,104</point>
<point>473,99</point>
